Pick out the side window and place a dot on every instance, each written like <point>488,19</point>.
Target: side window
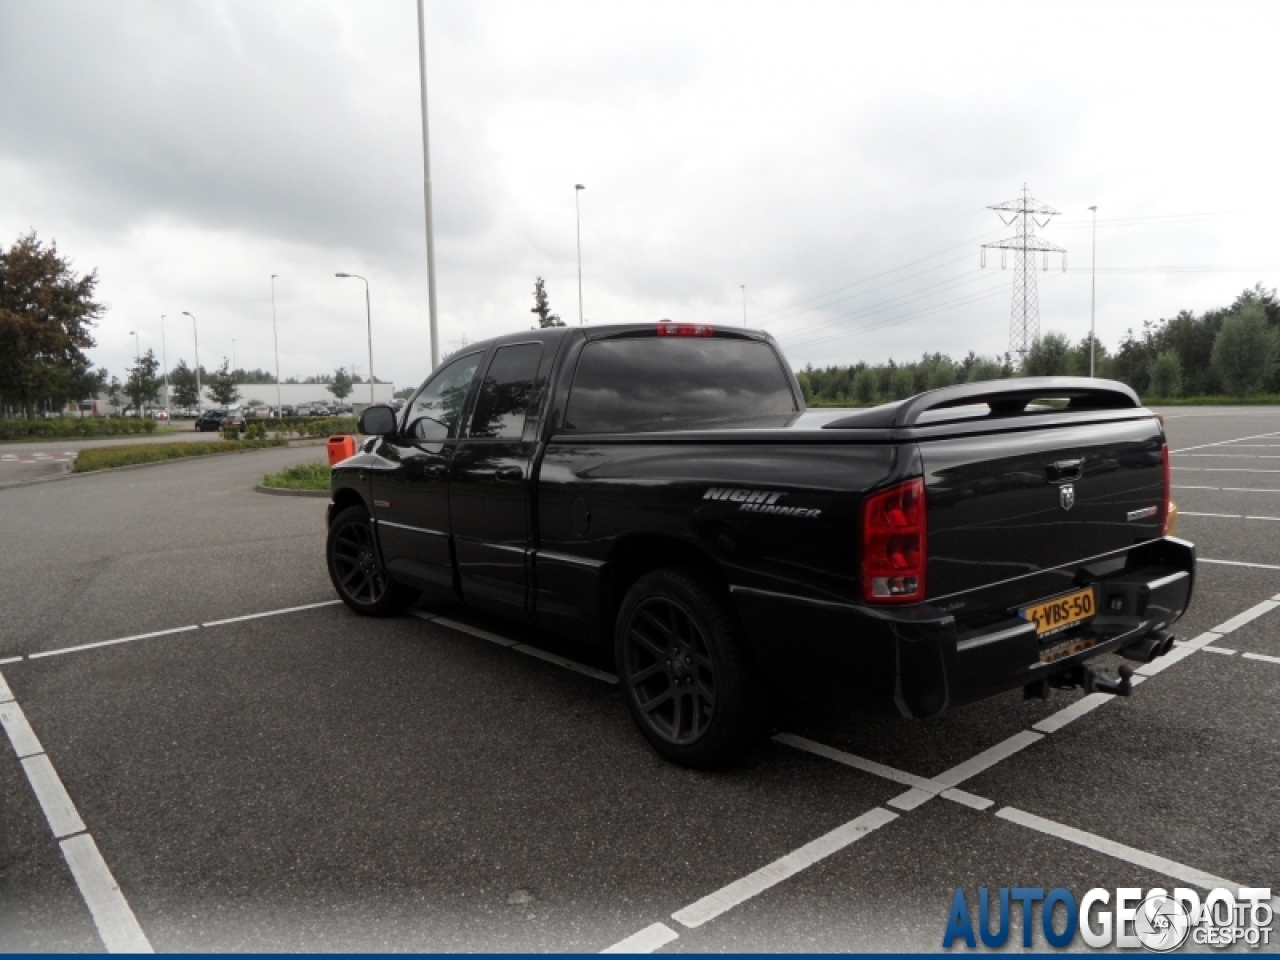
<point>508,392</point>
<point>434,413</point>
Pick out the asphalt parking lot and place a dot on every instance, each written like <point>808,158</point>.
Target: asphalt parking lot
<point>207,752</point>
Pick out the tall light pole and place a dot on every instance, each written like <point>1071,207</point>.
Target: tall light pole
<point>137,369</point>
<point>1093,291</point>
<point>276,339</point>
<point>368,315</point>
<point>164,358</point>
<point>743,288</point>
<point>426,194</point>
<point>234,365</point>
<point>196,333</point>
<point>577,209</point>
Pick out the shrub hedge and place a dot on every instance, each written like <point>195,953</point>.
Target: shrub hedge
<point>305,476</point>
<point>74,427</point>
<point>102,458</point>
<point>312,426</point>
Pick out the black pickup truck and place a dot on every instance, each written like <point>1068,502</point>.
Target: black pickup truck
<point>662,488</point>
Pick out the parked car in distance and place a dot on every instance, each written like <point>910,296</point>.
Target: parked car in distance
<point>234,417</point>
<point>319,410</point>
<point>209,420</point>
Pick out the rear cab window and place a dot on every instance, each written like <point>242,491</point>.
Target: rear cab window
<point>509,393</point>
<point>644,384</point>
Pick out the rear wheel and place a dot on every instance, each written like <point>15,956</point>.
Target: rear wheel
<point>684,670</point>
<point>356,569</point>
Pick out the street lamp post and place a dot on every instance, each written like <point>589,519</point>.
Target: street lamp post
<point>275,336</point>
<point>164,358</point>
<point>577,209</point>
<point>743,287</point>
<point>1093,291</point>
<point>234,365</point>
<point>368,315</point>
<point>196,333</point>
<point>426,192</point>
<point>137,368</point>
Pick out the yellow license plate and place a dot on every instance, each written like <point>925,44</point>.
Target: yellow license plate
<point>1061,613</point>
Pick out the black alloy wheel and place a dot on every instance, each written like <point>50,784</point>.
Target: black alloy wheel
<point>670,671</point>
<point>686,676</point>
<point>356,569</point>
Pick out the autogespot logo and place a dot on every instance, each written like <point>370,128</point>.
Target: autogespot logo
<point>1156,919</point>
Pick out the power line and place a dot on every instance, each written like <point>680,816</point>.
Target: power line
<point>875,276</point>
<point>909,297</point>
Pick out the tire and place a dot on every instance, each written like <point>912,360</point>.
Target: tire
<point>356,569</point>
<point>685,671</point>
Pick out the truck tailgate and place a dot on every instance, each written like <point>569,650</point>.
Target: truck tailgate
<point>1008,504</point>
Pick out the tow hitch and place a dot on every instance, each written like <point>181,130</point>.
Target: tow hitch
<point>1089,677</point>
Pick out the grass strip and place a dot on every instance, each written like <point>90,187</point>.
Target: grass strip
<point>305,476</point>
<point>103,458</point>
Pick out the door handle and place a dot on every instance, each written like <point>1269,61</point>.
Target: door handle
<point>509,474</point>
<point>435,470</point>
<point>1064,470</point>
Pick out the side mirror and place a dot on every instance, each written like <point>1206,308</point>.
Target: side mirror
<point>378,420</point>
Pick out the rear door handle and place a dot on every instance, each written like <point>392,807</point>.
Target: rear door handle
<point>510,473</point>
<point>1064,470</point>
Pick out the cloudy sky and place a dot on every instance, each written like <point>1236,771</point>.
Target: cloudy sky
<point>836,159</point>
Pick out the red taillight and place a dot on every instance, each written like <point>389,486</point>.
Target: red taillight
<point>668,328</point>
<point>1168,491</point>
<point>893,544</point>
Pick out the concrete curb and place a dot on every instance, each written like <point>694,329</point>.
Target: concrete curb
<point>286,492</point>
<point>308,442</point>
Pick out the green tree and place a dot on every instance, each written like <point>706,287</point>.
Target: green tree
<point>864,386</point>
<point>46,312</point>
<point>222,385</point>
<point>902,384</point>
<point>1166,375</point>
<point>182,381</point>
<point>341,385</point>
<point>542,306</point>
<point>143,382</point>
<point>1243,350</point>
<point>943,375</point>
<point>984,368</point>
<point>1048,357</point>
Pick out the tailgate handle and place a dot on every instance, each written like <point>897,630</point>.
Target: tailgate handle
<point>1061,470</point>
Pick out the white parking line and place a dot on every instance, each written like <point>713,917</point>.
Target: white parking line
<point>988,758</point>
<point>115,921</point>
<point>1224,469</point>
<point>559,661</point>
<point>270,613</point>
<point>852,760</point>
<point>1248,616</point>
<point>1239,563</point>
<point>24,740</point>
<point>59,811</point>
<point>110,643</point>
<point>1260,656</point>
<point>1056,721</point>
<point>649,939</point>
<point>1188,486</point>
<point>728,897</point>
<point>1140,858</point>
<point>1219,443</point>
<point>111,913</point>
<point>1222,650</point>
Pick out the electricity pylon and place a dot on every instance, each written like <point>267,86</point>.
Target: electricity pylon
<point>1024,323</point>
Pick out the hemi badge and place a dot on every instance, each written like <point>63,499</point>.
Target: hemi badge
<point>387,504</point>
<point>1142,514</point>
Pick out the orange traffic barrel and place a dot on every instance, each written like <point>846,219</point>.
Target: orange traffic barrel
<point>341,447</point>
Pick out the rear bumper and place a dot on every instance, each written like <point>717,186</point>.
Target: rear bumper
<point>919,662</point>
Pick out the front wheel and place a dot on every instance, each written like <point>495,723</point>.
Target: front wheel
<point>356,569</point>
<point>685,673</point>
